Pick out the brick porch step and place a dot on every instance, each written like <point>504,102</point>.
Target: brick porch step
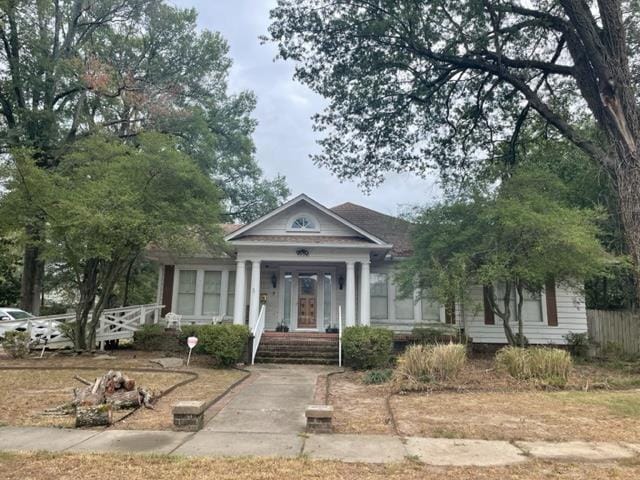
<point>298,347</point>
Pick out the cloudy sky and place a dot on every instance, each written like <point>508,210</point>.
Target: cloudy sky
<point>284,137</point>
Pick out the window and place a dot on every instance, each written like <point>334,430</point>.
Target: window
<point>531,306</point>
<point>211,293</point>
<point>404,308</point>
<point>379,296</point>
<point>304,222</point>
<point>288,284</point>
<point>186,292</point>
<point>327,299</point>
<point>430,309</point>
<point>231,294</point>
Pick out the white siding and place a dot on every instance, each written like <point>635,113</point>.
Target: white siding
<point>279,224</point>
<point>572,317</point>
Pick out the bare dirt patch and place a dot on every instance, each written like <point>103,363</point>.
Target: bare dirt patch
<point>27,393</point>
<point>599,404</point>
<point>91,467</point>
<point>559,416</point>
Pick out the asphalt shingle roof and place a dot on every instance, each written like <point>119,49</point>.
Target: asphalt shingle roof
<point>392,230</point>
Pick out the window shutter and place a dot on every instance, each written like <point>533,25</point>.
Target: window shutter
<point>552,305</point>
<point>167,289</point>
<point>489,317</point>
<point>450,313</point>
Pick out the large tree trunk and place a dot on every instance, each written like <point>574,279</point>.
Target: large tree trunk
<point>32,279</point>
<point>628,179</point>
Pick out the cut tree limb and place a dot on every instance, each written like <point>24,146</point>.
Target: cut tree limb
<point>94,416</point>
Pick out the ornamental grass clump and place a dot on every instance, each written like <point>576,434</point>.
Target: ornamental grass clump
<point>549,366</point>
<point>421,365</point>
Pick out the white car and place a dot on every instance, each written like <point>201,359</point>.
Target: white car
<point>19,320</point>
<point>9,314</point>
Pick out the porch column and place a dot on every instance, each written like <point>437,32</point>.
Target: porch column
<point>239,299</point>
<point>254,299</point>
<point>350,319</point>
<point>365,298</point>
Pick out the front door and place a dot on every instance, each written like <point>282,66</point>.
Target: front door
<point>307,300</point>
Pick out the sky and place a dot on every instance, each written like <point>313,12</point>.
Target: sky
<point>284,137</point>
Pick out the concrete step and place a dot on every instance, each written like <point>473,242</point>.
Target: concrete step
<point>296,347</point>
<point>296,354</point>
<point>299,361</point>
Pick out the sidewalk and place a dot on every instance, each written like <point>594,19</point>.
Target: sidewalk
<point>346,448</point>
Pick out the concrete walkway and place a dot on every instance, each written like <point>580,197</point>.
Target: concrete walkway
<point>265,417</point>
<point>345,448</point>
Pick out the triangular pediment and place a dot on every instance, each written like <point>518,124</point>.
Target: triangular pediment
<point>318,223</point>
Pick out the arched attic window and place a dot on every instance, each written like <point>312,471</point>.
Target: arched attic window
<point>304,223</point>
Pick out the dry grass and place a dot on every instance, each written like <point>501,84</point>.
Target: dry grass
<point>93,467</point>
<point>421,365</point>
<point>485,403</point>
<point>558,416</point>
<point>27,393</point>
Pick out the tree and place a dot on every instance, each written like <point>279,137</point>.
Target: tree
<point>512,241</point>
<point>73,68</point>
<point>417,84</point>
<point>104,203</point>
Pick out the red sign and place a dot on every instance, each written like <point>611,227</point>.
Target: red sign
<point>192,341</point>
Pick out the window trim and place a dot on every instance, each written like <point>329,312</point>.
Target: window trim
<point>310,217</point>
<point>200,269</point>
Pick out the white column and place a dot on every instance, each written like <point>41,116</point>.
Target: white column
<point>254,299</point>
<point>350,301</point>
<point>365,297</point>
<point>239,299</point>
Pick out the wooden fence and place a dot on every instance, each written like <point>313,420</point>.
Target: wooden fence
<point>619,327</point>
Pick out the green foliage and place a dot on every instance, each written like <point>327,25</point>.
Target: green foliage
<point>9,271</point>
<point>377,377</point>
<point>367,347</point>
<point>579,344</point>
<point>420,365</point>
<point>550,366</point>
<point>519,236</point>
<point>225,343</point>
<point>155,338</point>
<point>105,203</point>
<point>433,335</point>
<point>16,344</point>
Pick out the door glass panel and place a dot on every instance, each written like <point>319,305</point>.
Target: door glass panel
<point>327,300</point>
<point>288,282</point>
<point>307,287</point>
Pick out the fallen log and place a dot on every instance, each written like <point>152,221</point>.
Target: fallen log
<point>94,415</point>
<point>82,380</point>
<point>124,399</point>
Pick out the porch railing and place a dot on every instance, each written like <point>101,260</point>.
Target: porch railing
<point>258,329</point>
<point>340,335</point>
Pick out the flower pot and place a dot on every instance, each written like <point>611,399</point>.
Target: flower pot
<point>331,330</point>
<point>282,328</point>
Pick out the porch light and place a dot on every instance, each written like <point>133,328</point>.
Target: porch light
<point>340,282</point>
<point>274,280</point>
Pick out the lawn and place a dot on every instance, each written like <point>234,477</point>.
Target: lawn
<point>599,404</point>
<point>27,393</point>
<point>26,466</point>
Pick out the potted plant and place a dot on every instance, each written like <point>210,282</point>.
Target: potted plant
<point>331,329</point>
<point>282,327</point>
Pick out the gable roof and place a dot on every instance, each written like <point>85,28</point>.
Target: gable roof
<point>393,230</point>
<point>239,233</point>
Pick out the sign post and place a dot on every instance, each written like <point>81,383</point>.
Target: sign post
<point>191,342</point>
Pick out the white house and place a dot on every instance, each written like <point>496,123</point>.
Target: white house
<point>305,262</point>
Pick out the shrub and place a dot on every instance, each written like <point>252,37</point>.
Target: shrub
<point>225,343</point>
<point>367,347</point>
<point>578,343</point>
<point>156,338</point>
<point>551,366</point>
<point>377,377</point>
<point>16,344</point>
<point>423,364</point>
<point>433,335</point>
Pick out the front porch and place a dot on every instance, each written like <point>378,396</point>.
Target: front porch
<point>302,296</point>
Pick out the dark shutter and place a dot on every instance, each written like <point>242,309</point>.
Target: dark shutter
<point>552,305</point>
<point>489,316</point>
<point>167,289</point>
<point>450,313</point>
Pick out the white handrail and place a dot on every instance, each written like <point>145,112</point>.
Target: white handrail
<point>258,329</point>
<point>340,335</point>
